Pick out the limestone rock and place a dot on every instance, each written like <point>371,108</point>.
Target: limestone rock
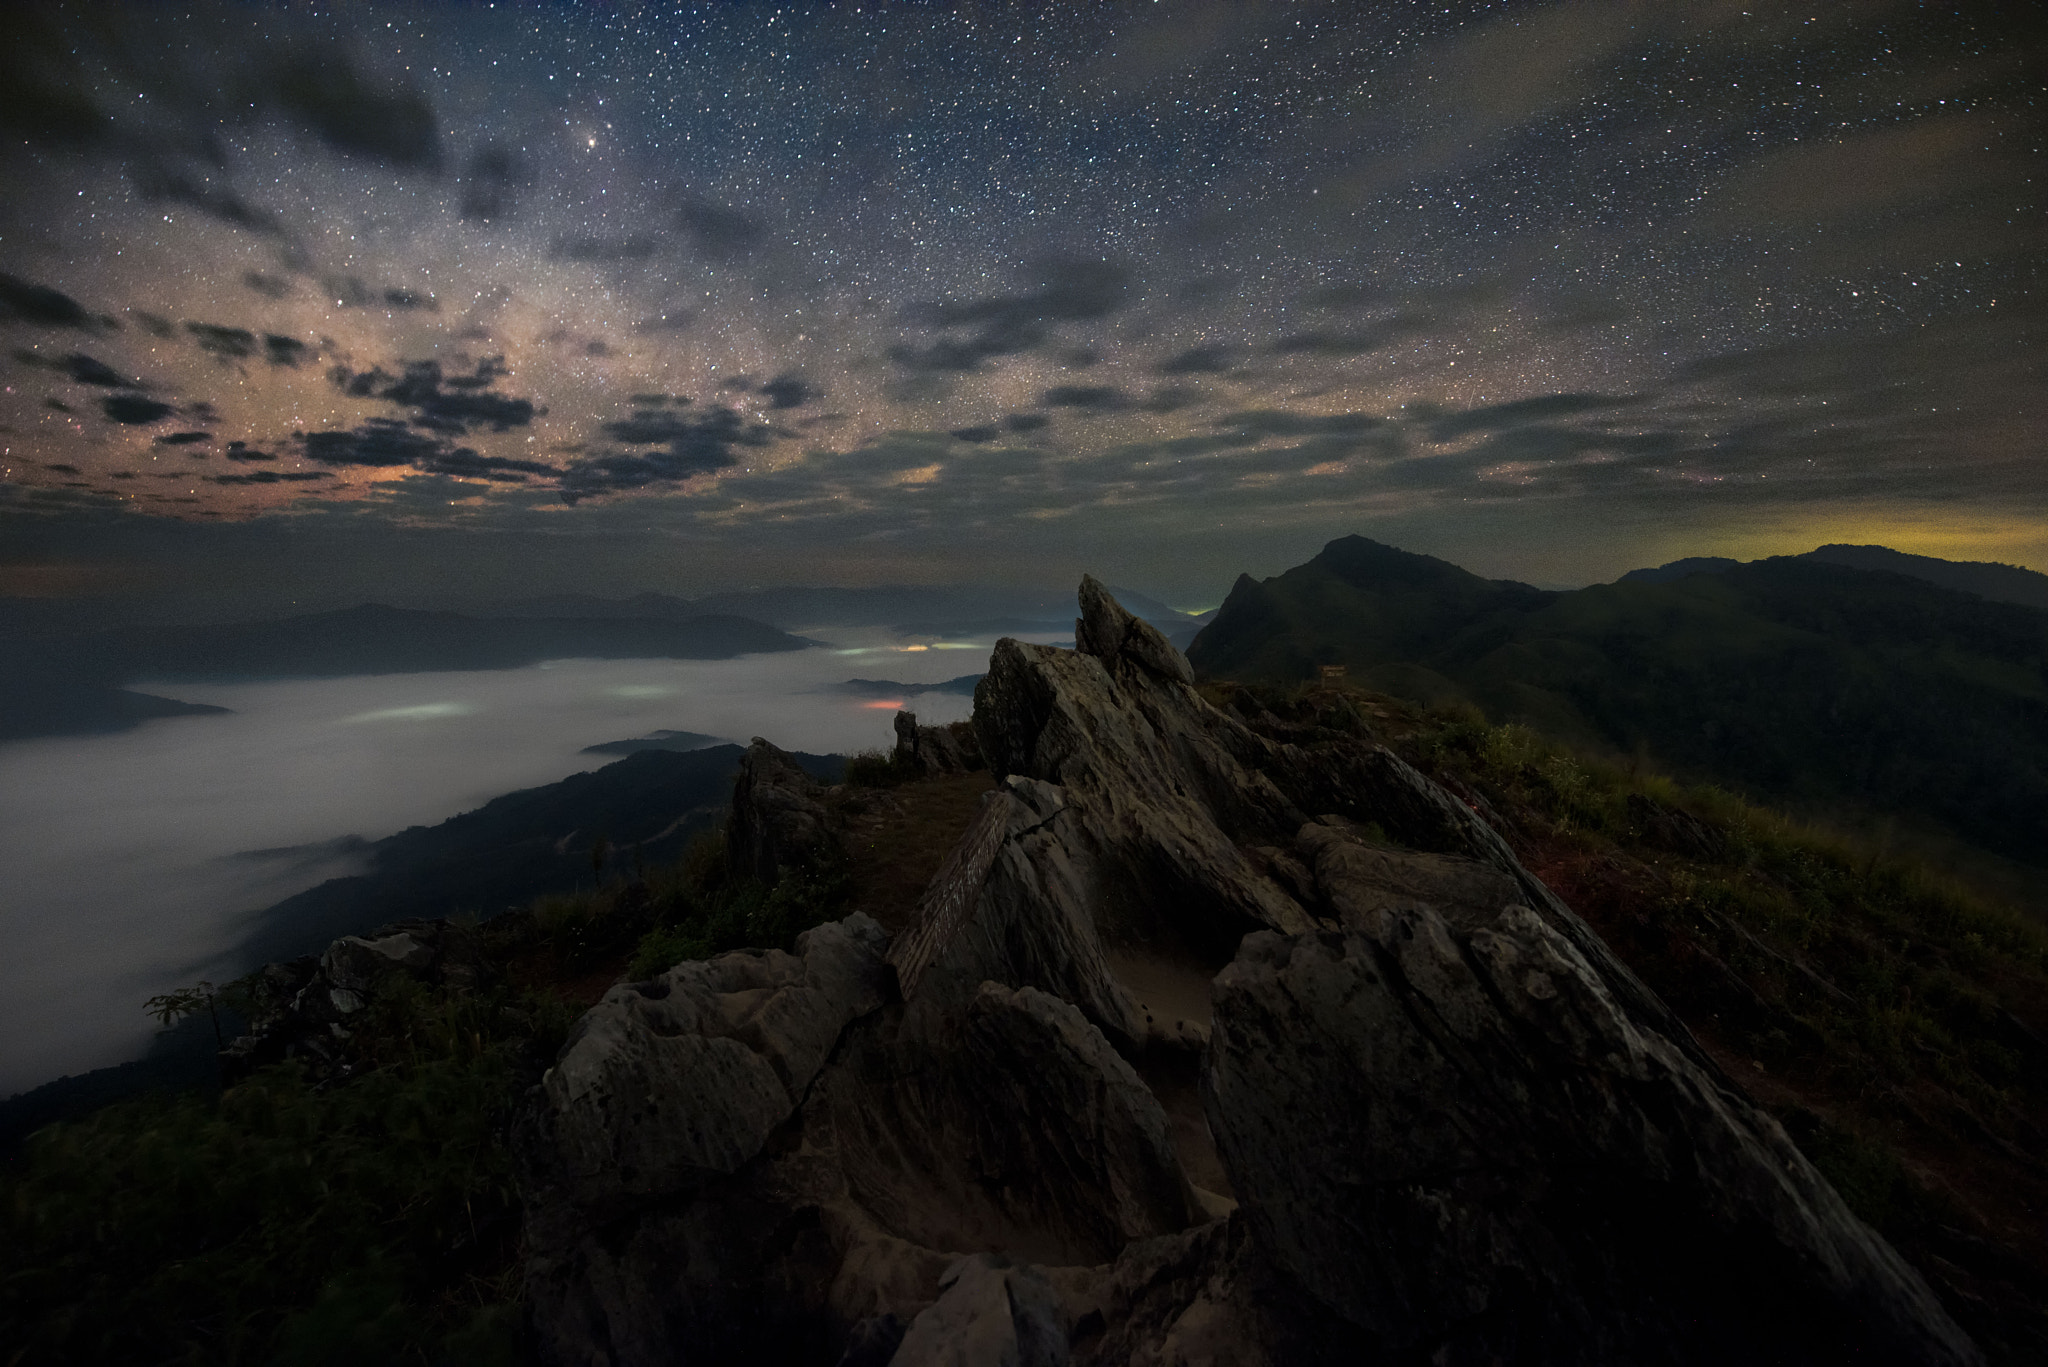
<point>988,1315</point>
<point>777,820</point>
<point>936,749</point>
<point>670,1083</point>
<point>1444,1124</point>
<point>1013,1127</point>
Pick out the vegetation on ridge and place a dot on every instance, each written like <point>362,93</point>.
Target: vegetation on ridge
<point>304,1218</point>
<point>1895,1024</point>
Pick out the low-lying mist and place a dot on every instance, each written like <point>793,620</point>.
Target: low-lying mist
<point>129,857</point>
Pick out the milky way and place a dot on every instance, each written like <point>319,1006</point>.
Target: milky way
<point>895,292</point>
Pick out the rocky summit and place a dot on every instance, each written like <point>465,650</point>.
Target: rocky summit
<point>1203,1046</point>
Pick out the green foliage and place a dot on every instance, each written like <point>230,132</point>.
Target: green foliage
<point>286,1222</point>
<point>705,911</point>
<point>879,769</point>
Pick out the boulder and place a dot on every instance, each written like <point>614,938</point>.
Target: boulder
<point>777,819</point>
<point>668,1084</point>
<point>1446,1126</point>
<point>950,749</point>
<point>988,1314</point>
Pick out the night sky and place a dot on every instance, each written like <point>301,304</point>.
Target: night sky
<point>483,299</point>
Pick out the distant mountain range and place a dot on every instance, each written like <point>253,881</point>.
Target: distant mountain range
<point>890,688</point>
<point>913,609</point>
<point>512,849</point>
<point>656,740</point>
<point>1800,679</point>
<point>74,685</point>
<point>1986,579</point>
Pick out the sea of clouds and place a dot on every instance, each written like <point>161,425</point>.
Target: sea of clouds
<point>128,856</point>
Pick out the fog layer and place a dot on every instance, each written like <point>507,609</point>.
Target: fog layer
<point>128,861</point>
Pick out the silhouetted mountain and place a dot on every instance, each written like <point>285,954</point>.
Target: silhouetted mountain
<point>1678,569</point>
<point>656,740</point>
<point>1986,579</point>
<point>1793,677</point>
<point>374,639</point>
<point>968,609</point>
<point>38,698</point>
<point>890,688</point>
<point>59,685</point>
<point>645,808</point>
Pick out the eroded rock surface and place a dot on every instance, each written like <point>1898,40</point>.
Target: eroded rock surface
<point>777,821</point>
<point>1444,1125</point>
<point>1456,1128</point>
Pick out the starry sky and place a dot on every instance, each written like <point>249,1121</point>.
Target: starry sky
<point>308,304</point>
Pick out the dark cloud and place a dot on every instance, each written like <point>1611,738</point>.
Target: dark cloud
<point>1521,412</point>
<point>695,445</point>
<point>22,301</point>
<point>597,347</point>
<point>284,351</point>
<point>134,409</point>
<point>491,183</point>
<point>977,434</point>
<point>165,185</point>
<point>1027,422</point>
<point>718,230</point>
<point>1201,360</point>
<point>1255,424</point>
<point>463,463</point>
<point>1350,341</point>
<point>442,402</point>
<point>1095,398</point>
<point>1005,324</point>
<point>329,97</point>
<point>230,344</point>
<point>634,247</point>
<point>43,84</point>
<point>269,477</point>
<point>789,390</point>
<point>349,291</point>
<point>269,286</point>
<point>156,325</point>
<point>184,438</point>
<point>378,442</point>
<point>405,300</point>
<point>1171,398</point>
<point>78,367</point>
<point>241,450</point>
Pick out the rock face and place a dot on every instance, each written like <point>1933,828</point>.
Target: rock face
<point>936,749</point>
<point>777,821</point>
<point>1457,1130</point>
<point>1444,1127</point>
<point>304,1008</point>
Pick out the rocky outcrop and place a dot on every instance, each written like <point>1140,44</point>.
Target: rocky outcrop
<point>1456,1128</point>
<point>777,821</point>
<point>950,749</point>
<point>1445,1127</point>
<point>307,1008</point>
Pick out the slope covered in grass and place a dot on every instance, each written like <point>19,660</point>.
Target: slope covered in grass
<point>1792,679</point>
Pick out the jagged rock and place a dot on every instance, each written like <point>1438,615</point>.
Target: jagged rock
<point>304,1008</point>
<point>356,964</point>
<point>988,1315</point>
<point>1013,1126</point>
<point>936,749</point>
<point>1458,1129</point>
<point>1675,830</point>
<point>1443,1123</point>
<point>777,820</point>
<point>670,1083</point>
